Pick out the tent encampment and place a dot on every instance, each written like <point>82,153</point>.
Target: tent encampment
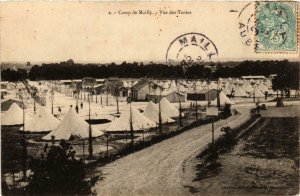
<point>152,113</point>
<point>72,126</point>
<point>42,121</point>
<point>130,115</point>
<point>257,93</point>
<point>223,100</point>
<point>168,108</point>
<point>239,92</point>
<point>13,116</point>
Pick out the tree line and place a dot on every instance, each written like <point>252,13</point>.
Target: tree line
<point>71,70</point>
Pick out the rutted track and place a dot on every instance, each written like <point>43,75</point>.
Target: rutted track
<point>157,170</point>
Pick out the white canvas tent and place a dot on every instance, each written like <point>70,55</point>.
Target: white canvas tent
<point>257,93</point>
<point>227,91</point>
<point>42,121</point>
<point>239,92</point>
<point>168,108</point>
<point>139,121</point>
<point>247,87</point>
<point>223,100</point>
<point>72,125</point>
<point>262,87</point>
<point>14,116</point>
<point>152,113</point>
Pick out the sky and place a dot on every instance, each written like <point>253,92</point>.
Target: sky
<point>86,32</point>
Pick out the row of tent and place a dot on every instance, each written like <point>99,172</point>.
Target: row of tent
<point>146,120</point>
<point>73,126</point>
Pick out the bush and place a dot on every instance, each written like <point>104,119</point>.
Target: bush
<point>58,172</point>
<point>263,107</point>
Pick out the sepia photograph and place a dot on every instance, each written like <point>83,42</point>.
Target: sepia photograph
<point>150,98</point>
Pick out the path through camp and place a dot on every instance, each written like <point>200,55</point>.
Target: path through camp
<point>157,170</point>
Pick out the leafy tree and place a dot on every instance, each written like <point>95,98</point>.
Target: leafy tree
<point>58,172</point>
<point>13,75</point>
<point>286,79</point>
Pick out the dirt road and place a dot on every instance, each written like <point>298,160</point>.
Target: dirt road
<point>157,170</point>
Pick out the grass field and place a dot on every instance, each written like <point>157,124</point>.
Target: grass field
<point>265,160</point>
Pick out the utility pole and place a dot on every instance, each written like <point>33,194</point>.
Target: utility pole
<point>159,116</point>
<point>117,94</point>
<point>107,137</point>
<point>90,131</point>
<point>213,136</point>
<point>52,97</point>
<point>131,129</point>
<point>208,97</point>
<point>196,100</point>
<point>24,165</point>
<point>107,96</point>
<point>218,95</point>
<point>34,108</point>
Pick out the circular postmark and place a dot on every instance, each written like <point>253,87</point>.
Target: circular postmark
<point>190,49</point>
<point>246,24</point>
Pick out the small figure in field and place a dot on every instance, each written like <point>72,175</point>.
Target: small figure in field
<point>81,105</point>
<point>76,108</point>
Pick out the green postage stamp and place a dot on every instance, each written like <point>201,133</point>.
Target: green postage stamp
<point>276,27</point>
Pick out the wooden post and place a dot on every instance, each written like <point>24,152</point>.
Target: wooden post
<point>213,135</point>
<point>107,136</point>
<point>90,132</point>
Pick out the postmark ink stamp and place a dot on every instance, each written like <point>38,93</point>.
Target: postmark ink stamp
<point>190,49</point>
<point>246,24</point>
<point>276,27</point>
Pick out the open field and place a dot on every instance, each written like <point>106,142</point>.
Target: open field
<point>265,160</point>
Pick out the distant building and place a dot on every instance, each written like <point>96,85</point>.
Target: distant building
<point>172,96</point>
<point>140,90</point>
<point>203,95</point>
<point>123,92</point>
<point>272,76</point>
<point>66,82</point>
<point>100,81</point>
<point>253,77</point>
<point>89,81</point>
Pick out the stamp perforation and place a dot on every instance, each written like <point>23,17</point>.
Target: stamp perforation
<point>297,48</point>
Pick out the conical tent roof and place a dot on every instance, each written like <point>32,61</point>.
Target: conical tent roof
<point>204,84</point>
<point>262,87</point>
<point>257,93</point>
<point>247,87</point>
<point>223,100</point>
<point>213,85</point>
<point>72,125</point>
<point>42,121</point>
<point>226,91</point>
<point>152,113</point>
<point>168,108</point>
<point>139,121</point>
<point>13,116</point>
<point>239,92</point>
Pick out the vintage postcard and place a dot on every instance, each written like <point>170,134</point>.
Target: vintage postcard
<point>149,98</point>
